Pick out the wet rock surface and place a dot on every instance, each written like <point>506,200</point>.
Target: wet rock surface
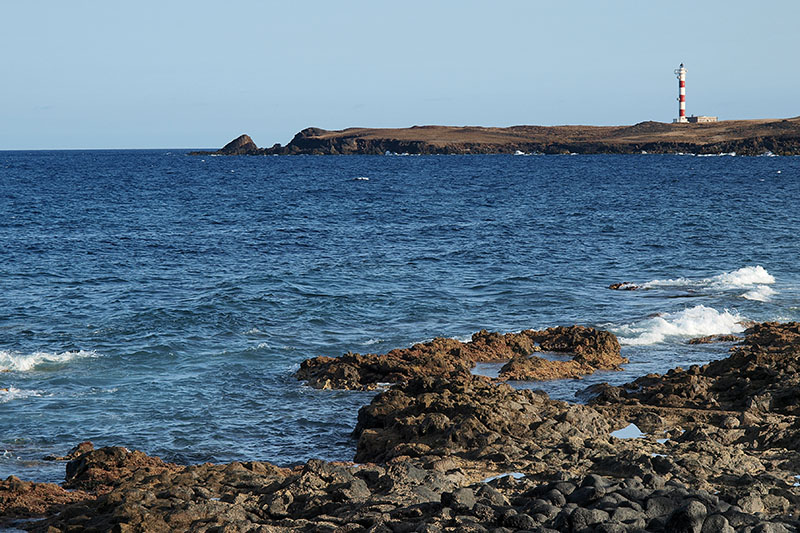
<point>762,375</point>
<point>589,350</point>
<point>708,339</point>
<point>623,286</point>
<point>433,452</point>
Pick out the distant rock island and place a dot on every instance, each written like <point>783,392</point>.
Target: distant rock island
<point>745,137</point>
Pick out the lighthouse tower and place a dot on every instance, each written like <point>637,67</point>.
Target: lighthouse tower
<point>681,73</point>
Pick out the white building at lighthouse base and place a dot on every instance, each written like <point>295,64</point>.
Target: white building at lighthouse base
<point>702,119</point>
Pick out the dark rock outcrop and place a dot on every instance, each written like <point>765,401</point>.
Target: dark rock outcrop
<point>241,145</point>
<point>590,350</point>
<point>623,286</point>
<point>708,339</point>
<point>470,417</point>
<point>762,375</point>
<point>25,499</point>
<point>105,468</point>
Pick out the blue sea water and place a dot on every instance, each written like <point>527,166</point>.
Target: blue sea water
<point>162,302</point>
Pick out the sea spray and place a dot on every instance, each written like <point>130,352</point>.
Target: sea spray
<point>760,293</point>
<point>744,277</point>
<point>692,322</point>
<point>16,362</point>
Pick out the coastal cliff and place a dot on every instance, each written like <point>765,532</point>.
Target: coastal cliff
<point>745,137</point>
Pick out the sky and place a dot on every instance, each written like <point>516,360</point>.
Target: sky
<point>196,74</point>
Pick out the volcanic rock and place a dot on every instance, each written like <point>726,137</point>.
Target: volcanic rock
<point>241,145</point>
<point>762,375</point>
<point>590,349</point>
<point>710,461</point>
<point>107,467</point>
<point>708,339</point>
<point>471,417</point>
<point>23,499</point>
<point>623,286</point>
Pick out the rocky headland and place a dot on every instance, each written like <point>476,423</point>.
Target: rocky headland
<point>715,448</point>
<point>744,137</point>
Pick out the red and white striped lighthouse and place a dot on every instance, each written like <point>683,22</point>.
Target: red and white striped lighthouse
<point>681,73</point>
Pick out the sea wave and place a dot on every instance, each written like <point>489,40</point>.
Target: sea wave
<point>741,278</point>
<point>761,293</point>
<point>744,277</point>
<point>694,321</point>
<point>17,362</point>
<point>12,393</point>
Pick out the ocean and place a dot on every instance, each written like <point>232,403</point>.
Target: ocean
<point>162,302</point>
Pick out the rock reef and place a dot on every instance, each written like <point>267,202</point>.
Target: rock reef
<point>745,137</point>
<point>588,349</point>
<point>714,449</point>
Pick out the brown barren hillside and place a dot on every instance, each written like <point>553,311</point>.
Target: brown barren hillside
<point>747,137</point>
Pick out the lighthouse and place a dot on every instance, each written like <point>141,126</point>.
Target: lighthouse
<point>681,73</point>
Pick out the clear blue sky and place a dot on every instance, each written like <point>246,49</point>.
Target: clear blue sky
<point>100,74</point>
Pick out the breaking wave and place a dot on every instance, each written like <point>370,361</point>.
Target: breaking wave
<point>695,321</point>
<point>744,277</point>
<point>16,362</point>
<point>12,393</point>
<point>761,293</point>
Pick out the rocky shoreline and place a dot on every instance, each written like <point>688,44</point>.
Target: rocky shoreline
<point>743,137</point>
<point>714,448</point>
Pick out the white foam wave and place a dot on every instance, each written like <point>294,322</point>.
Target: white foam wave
<point>744,277</point>
<point>761,293</point>
<point>697,321</point>
<point>16,362</point>
<point>372,341</point>
<point>741,278</point>
<point>12,393</point>
<point>677,282</point>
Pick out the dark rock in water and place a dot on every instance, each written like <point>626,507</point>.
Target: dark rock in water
<point>591,350</point>
<point>762,375</point>
<point>623,286</point>
<point>708,339</point>
<point>241,145</point>
<point>77,451</point>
